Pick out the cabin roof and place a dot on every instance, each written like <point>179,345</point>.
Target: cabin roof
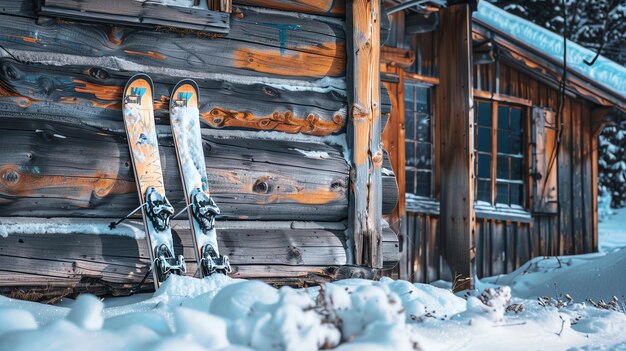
<point>605,74</point>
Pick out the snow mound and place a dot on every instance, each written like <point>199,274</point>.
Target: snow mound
<point>591,276</point>
<point>220,313</point>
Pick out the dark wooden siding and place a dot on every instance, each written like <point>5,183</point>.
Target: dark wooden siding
<point>502,244</point>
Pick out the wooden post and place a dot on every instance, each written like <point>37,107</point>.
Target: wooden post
<point>364,131</point>
<point>455,101</point>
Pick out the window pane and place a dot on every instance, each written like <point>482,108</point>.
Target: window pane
<point>503,117</point>
<point>409,125</point>
<point>516,143</point>
<point>517,165</point>
<point>517,197</point>
<point>502,196</point>
<point>484,191</point>
<point>484,114</point>
<point>410,153</point>
<point>423,127</point>
<point>423,156</point>
<point>483,140</point>
<point>410,181</point>
<point>409,96</point>
<point>484,166</point>
<point>503,142</point>
<point>503,167</point>
<point>421,97</point>
<point>516,119</point>
<point>423,184</point>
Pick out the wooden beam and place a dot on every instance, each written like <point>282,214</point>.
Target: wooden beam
<point>454,97</point>
<point>502,98</point>
<point>318,7</point>
<point>64,167</point>
<point>421,78</point>
<point>135,13</point>
<point>397,56</point>
<point>260,44</point>
<point>94,93</point>
<point>41,253</point>
<point>364,131</point>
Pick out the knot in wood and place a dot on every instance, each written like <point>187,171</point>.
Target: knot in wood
<point>269,91</point>
<point>9,71</point>
<point>358,112</point>
<point>293,254</point>
<point>261,186</point>
<point>12,177</point>
<point>338,119</point>
<point>116,35</point>
<point>377,158</point>
<point>98,73</point>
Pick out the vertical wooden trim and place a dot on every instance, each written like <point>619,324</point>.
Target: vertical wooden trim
<point>226,6</point>
<point>494,150</point>
<point>364,130</point>
<point>455,99</point>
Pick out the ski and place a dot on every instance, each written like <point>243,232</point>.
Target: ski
<point>202,210</point>
<point>144,150</point>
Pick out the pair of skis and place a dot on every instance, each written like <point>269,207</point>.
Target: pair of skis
<point>157,211</point>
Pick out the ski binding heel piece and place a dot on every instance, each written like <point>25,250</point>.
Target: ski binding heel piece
<point>212,262</point>
<point>166,263</point>
<point>159,210</point>
<point>204,209</point>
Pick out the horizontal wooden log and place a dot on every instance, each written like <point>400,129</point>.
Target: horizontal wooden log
<point>50,167</point>
<point>390,185</point>
<point>319,7</point>
<point>38,253</point>
<point>259,44</point>
<point>138,13</point>
<point>90,92</point>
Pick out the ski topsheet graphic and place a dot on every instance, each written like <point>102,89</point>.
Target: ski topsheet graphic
<point>144,151</point>
<point>185,121</point>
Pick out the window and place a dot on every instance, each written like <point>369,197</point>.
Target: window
<point>499,153</point>
<point>418,139</point>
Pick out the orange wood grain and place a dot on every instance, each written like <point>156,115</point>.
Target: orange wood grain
<point>292,63</point>
<point>19,181</point>
<point>284,122</point>
<point>147,53</point>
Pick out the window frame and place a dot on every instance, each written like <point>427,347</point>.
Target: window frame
<point>492,208</point>
<point>432,140</point>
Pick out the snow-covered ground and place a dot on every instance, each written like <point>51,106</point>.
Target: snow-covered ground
<point>220,313</point>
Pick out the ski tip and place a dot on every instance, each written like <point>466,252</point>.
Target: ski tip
<point>185,93</point>
<point>136,88</point>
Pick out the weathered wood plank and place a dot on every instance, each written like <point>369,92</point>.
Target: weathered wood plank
<point>390,186</point>
<point>320,7</point>
<point>365,211</point>
<point>52,168</point>
<point>454,97</point>
<point>39,252</point>
<point>259,44</point>
<point>137,13</point>
<point>89,92</point>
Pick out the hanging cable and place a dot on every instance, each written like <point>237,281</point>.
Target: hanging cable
<point>561,97</point>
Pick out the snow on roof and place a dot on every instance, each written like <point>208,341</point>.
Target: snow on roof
<point>604,71</point>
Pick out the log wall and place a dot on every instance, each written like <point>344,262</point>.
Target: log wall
<point>274,117</point>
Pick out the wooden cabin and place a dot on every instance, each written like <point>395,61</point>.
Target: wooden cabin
<point>495,163</point>
<point>292,112</point>
<point>319,118</point>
